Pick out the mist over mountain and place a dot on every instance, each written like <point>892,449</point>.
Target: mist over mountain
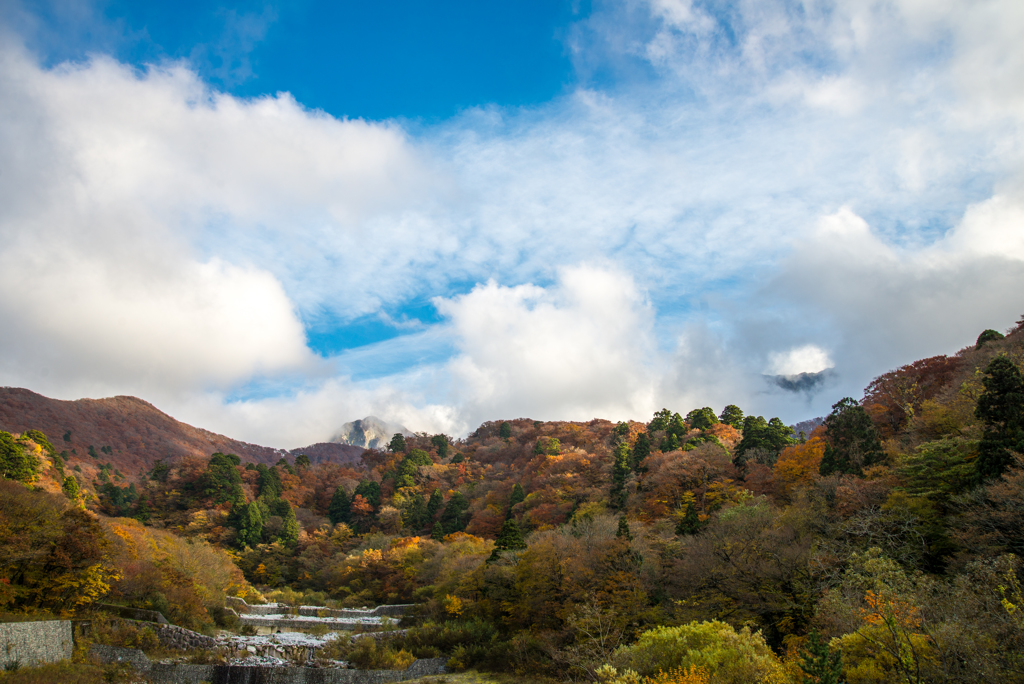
<point>370,432</point>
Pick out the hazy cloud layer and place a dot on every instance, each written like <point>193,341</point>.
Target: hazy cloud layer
<point>761,189</point>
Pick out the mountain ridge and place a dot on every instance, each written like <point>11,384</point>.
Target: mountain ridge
<point>132,434</point>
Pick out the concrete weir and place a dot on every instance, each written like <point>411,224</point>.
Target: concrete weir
<point>184,673</point>
<point>273,617</point>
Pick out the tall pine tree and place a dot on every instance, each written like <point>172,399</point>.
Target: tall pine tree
<point>641,450</point>
<point>820,666</point>
<point>509,539</point>
<point>620,471</point>
<point>851,440</point>
<point>518,496</point>
<point>340,508</point>
<point>1002,409</point>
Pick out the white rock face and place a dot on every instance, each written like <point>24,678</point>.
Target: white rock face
<point>370,433</point>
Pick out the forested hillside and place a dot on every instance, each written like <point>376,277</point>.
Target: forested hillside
<point>881,547</point>
<point>130,435</point>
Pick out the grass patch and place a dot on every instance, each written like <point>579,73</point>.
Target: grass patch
<point>38,616</point>
<point>474,677</point>
<point>72,673</point>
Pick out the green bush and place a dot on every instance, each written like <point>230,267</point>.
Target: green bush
<point>114,632</point>
<point>730,656</point>
<point>446,636</point>
<point>368,654</point>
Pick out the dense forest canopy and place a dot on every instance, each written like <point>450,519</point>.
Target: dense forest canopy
<point>883,546</point>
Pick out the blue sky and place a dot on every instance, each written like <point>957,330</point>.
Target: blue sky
<point>269,219</point>
<point>415,60</point>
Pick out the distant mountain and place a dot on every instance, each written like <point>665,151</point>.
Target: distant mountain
<point>370,433</point>
<point>807,426</point>
<point>132,434</point>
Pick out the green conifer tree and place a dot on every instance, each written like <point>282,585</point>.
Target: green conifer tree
<point>397,443</point>
<point>819,664</point>
<point>620,471</point>
<point>340,508</point>
<point>1002,408</point>
<point>690,522</point>
<point>509,539</point>
<point>415,514</point>
<point>988,336</point>
<point>290,531</point>
<point>269,482</point>
<point>851,440</point>
<point>250,527</point>
<point>505,431</point>
<point>434,503</point>
<point>641,450</point>
<point>732,415</point>
<point>456,514</point>
<point>441,443</point>
<point>518,496</point>
<point>702,418</point>
<point>370,491</point>
<point>623,530</point>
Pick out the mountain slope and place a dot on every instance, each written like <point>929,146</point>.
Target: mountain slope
<point>132,434</point>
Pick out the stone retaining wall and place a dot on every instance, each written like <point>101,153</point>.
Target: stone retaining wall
<point>179,638</point>
<point>31,643</point>
<point>170,636</point>
<point>133,613</point>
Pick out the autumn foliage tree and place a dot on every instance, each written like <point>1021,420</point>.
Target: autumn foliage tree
<point>798,464</point>
<point>52,555</point>
<point>895,397</point>
<point>16,463</point>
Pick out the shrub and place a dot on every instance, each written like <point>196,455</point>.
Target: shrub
<point>113,632</point>
<point>727,655</point>
<point>367,654</point>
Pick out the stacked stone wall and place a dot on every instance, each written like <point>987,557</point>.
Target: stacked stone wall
<point>170,636</point>
<point>134,613</point>
<point>32,643</point>
<point>179,638</point>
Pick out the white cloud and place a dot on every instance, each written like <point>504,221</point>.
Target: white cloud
<point>314,411</point>
<point>808,358</point>
<point>881,306</point>
<point>117,273</point>
<point>577,350</point>
<point>76,319</point>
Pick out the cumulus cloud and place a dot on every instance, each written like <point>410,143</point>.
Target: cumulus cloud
<point>580,349</point>
<point>74,320</point>
<point>117,185</point>
<point>808,358</point>
<point>882,305</point>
